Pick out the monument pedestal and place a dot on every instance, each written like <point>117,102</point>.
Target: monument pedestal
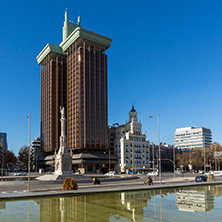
<point>63,164</point>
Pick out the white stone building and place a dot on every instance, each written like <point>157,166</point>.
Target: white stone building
<point>130,145</point>
<point>192,137</point>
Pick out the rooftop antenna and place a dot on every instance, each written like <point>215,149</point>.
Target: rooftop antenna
<point>66,15</point>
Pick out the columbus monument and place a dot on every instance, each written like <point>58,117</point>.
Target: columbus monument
<point>63,160</point>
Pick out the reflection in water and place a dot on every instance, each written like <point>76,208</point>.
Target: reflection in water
<point>128,205</point>
<point>149,205</point>
<point>2,205</point>
<point>134,202</point>
<point>199,199</point>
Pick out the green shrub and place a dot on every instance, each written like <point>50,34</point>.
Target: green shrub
<point>148,181</point>
<point>70,184</point>
<point>211,177</point>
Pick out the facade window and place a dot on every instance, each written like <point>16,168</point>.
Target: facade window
<point>90,168</point>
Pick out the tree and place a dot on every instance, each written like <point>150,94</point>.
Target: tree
<point>217,149</point>
<point>23,156</point>
<point>10,159</point>
<point>182,158</point>
<point>196,157</point>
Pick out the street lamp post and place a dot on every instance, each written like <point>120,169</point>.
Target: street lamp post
<point>174,161</point>
<point>29,117</point>
<point>215,158</point>
<point>204,155</point>
<point>109,158</point>
<point>152,149</point>
<point>158,116</point>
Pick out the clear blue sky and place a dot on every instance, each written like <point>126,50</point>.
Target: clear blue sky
<point>165,59</point>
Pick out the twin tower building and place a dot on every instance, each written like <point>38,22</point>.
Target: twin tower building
<point>74,76</point>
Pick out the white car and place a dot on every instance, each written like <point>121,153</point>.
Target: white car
<point>217,173</point>
<point>208,173</point>
<point>155,173</point>
<point>20,174</point>
<point>110,173</point>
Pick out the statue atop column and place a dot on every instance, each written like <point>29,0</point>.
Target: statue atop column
<point>63,147</point>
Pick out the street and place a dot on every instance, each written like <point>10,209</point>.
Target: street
<point>166,179</point>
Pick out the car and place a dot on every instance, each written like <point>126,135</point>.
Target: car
<point>110,173</point>
<point>217,173</point>
<point>20,174</point>
<point>201,171</point>
<point>208,173</point>
<point>201,178</point>
<point>153,173</point>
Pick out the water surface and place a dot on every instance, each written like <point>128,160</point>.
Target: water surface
<point>202,203</point>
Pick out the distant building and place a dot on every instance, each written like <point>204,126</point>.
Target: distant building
<point>167,157</point>
<point>111,150</point>
<point>192,137</point>
<point>130,144</point>
<point>35,151</point>
<point>3,138</point>
<point>36,144</point>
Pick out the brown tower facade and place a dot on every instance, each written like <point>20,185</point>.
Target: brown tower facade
<point>74,75</point>
<point>53,80</point>
<point>87,98</point>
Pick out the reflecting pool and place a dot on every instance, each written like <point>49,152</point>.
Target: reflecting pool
<point>202,203</point>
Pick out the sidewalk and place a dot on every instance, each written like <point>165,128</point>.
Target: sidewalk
<point>97,189</point>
